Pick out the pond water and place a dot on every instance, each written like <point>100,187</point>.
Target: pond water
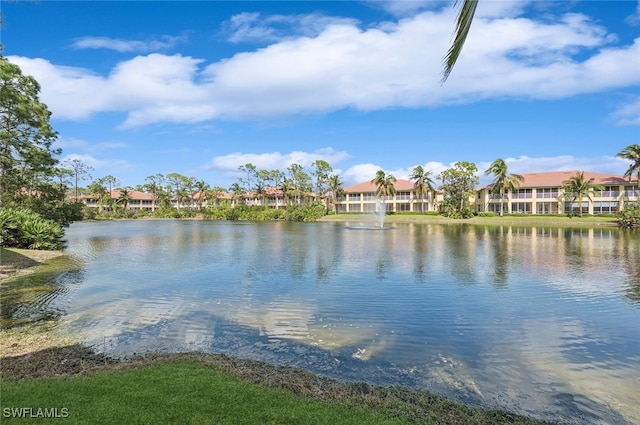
<point>541,321</point>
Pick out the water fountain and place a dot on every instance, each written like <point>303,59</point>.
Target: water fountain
<point>380,212</point>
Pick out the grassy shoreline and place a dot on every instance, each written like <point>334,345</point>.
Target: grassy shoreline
<point>17,262</point>
<point>510,220</point>
<point>160,383</point>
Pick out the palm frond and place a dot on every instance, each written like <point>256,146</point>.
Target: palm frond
<point>465,18</point>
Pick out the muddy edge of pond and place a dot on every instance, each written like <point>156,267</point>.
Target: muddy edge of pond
<point>18,262</point>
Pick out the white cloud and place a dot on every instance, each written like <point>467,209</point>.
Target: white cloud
<point>69,92</point>
<point>83,145</point>
<point>365,172</point>
<point>486,8</point>
<point>255,27</point>
<point>98,164</point>
<point>634,19</point>
<point>433,166</point>
<point>344,66</point>
<point>525,164</point>
<point>406,8</point>
<point>164,42</point>
<point>360,173</point>
<point>149,88</point>
<point>276,160</point>
<point>86,159</point>
<point>501,8</point>
<point>629,113</point>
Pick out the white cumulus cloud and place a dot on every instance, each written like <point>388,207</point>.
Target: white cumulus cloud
<point>525,164</point>
<point>164,42</point>
<point>276,160</point>
<point>98,164</point>
<point>342,65</point>
<point>256,27</point>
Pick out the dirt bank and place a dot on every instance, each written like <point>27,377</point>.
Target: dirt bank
<point>16,262</point>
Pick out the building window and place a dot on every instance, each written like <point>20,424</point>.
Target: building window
<point>631,191</point>
<point>370,208</point>
<point>368,196</point>
<point>609,192</point>
<point>605,207</point>
<point>341,208</point>
<point>521,194</point>
<point>355,208</point>
<point>403,207</point>
<point>521,207</point>
<point>572,207</point>
<point>546,208</point>
<point>403,196</point>
<point>547,192</point>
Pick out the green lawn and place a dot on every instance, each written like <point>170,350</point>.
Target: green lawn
<point>507,220</point>
<point>172,393</point>
<point>215,389</point>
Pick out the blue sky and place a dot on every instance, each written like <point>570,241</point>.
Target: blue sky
<point>200,88</point>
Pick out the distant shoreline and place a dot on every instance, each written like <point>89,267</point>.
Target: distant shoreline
<point>528,220</point>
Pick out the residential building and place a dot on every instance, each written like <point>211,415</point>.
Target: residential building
<point>541,193</point>
<point>273,197</point>
<point>362,198</point>
<point>138,201</point>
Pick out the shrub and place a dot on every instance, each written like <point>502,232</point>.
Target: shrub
<point>298,213</point>
<point>262,213</point>
<point>9,227</point>
<point>22,228</point>
<point>486,214</point>
<point>294,213</point>
<point>630,216</point>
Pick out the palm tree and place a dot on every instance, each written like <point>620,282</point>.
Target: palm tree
<point>215,193</point>
<point>124,198</point>
<point>289,190</point>
<point>576,188</point>
<point>109,181</point>
<point>632,153</point>
<point>100,192</point>
<point>423,183</point>
<point>277,177</point>
<point>202,188</point>
<point>335,185</point>
<point>503,181</point>
<point>384,182</point>
<point>236,192</point>
<point>463,24</point>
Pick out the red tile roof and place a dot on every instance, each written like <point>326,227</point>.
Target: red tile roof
<point>135,195</point>
<point>555,178</point>
<point>400,185</point>
<point>212,195</point>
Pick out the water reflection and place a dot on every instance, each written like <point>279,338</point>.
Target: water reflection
<point>524,318</point>
<point>34,297</point>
